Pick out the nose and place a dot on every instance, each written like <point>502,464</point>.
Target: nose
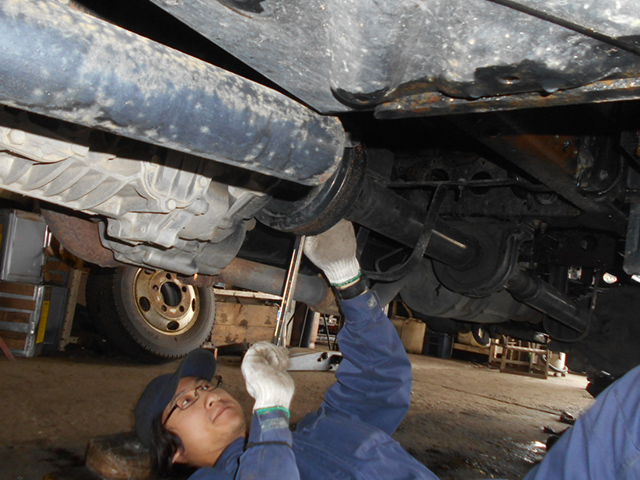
<point>211,398</point>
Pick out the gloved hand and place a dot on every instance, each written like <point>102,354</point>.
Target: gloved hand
<point>334,252</point>
<point>265,373</point>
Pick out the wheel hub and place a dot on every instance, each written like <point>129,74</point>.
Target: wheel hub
<point>166,303</point>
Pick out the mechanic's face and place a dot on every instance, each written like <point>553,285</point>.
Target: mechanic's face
<point>207,427</point>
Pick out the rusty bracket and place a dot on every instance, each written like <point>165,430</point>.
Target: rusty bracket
<point>435,103</point>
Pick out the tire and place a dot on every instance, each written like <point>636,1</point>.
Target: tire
<point>481,336</point>
<point>150,316</point>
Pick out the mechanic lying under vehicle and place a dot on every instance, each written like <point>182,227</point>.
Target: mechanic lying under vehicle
<point>350,434</point>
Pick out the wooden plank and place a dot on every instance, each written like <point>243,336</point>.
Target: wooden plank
<point>246,315</point>
<point>70,308</point>
<point>19,337</point>
<point>526,349</point>
<point>53,278</point>
<point>233,334</point>
<point>494,351</point>
<point>243,323</point>
<point>17,288</point>
<point>15,344</point>
<point>471,348</point>
<point>56,272</point>
<point>18,303</point>
<point>225,294</point>
<point>54,263</point>
<point>15,317</point>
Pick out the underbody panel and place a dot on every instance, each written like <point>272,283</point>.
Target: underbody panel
<point>199,137</point>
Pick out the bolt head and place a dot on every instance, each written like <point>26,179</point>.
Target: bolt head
<point>17,137</point>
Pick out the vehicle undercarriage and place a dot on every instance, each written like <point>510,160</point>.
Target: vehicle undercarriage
<point>487,151</point>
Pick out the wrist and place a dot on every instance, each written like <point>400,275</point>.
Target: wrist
<point>280,399</point>
<point>347,283</point>
<point>269,427</point>
<point>352,289</point>
<point>262,411</point>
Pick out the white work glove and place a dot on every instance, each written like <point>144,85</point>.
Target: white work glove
<point>334,252</point>
<point>265,373</point>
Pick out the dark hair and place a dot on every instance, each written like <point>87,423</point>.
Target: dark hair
<point>164,445</point>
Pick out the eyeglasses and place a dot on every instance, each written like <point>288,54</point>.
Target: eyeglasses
<point>186,399</point>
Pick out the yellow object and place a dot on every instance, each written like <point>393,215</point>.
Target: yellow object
<point>43,321</point>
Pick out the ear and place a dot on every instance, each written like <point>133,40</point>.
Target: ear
<point>179,456</point>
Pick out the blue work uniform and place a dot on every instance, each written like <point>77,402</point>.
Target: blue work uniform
<point>604,444</point>
<point>349,437</point>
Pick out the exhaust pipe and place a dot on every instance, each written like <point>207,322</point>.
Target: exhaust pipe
<point>59,62</point>
<point>311,290</point>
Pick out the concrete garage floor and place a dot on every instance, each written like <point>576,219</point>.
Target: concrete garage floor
<point>466,421</point>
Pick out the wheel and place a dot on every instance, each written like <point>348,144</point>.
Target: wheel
<point>150,315</point>
<point>480,335</point>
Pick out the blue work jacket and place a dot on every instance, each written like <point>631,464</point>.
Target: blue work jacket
<point>349,437</point>
<point>604,444</point>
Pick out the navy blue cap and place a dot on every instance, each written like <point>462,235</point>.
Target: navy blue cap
<point>198,363</point>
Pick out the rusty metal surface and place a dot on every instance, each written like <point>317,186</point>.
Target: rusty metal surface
<point>339,54</point>
<point>80,237</point>
<point>198,280</point>
<point>435,103</point>
<point>312,291</point>
<point>553,159</point>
